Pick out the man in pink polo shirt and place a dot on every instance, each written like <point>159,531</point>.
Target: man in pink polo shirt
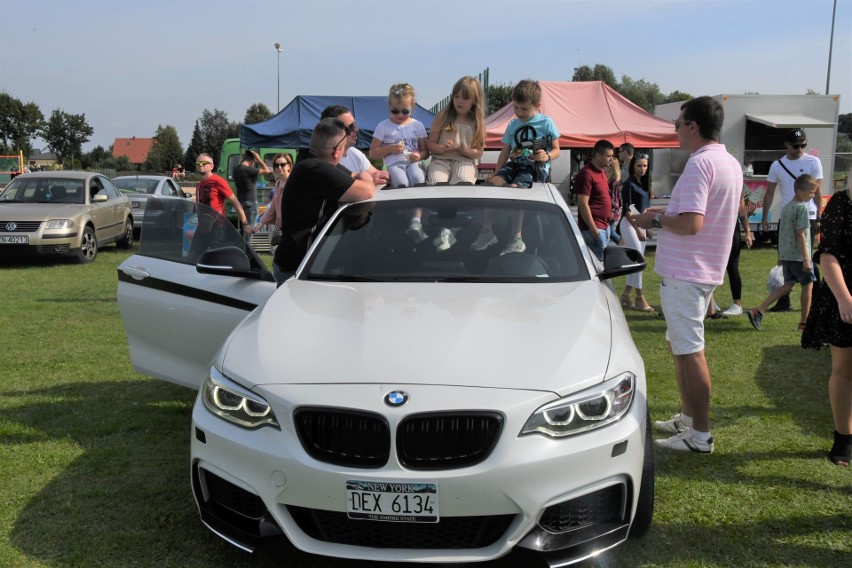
<point>693,243</point>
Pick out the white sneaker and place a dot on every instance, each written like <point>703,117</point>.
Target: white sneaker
<point>515,245</point>
<point>485,239</point>
<point>416,232</point>
<point>716,307</point>
<point>672,426</point>
<point>685,442</point>
<point>445,240</point>
<point>734,310</point>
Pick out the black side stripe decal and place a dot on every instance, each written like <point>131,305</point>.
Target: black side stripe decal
<point>188,291</point>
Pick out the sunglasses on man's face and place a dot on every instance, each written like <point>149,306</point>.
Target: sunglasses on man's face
<point>202,163</point>
<point>797,146</point>
<point>404,111</point>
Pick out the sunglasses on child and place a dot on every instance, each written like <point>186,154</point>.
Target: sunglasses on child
<point>404,111</point>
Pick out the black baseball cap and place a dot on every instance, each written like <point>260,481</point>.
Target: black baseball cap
<point>796,136</point>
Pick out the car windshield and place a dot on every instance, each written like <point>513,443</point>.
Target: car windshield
<point>44,190</point>
<point>368,242</point>
<point>135,185</point>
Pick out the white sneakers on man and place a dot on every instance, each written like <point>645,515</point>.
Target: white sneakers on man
<point>734,310</point>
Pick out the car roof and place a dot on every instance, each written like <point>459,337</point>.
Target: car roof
<point>67,174</point>
<point>142,177</point>
<point>539,192</point>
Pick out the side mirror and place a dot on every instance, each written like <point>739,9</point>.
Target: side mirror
<point>225,261</point>
<point>619,261</point>
<point>99,198</point>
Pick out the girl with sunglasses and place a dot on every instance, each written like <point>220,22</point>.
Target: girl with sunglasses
<point>400,140</point>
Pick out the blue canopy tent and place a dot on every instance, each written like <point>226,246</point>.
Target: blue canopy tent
<point>292,127</point>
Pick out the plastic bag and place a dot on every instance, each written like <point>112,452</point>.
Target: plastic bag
<point>776,279</point>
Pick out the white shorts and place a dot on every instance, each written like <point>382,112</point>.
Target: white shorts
<point>684,305</point>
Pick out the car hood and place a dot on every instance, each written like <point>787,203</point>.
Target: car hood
<point>39,211</point>
<point>552,337</point>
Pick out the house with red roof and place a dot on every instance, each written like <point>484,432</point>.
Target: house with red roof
<point>135,149</point>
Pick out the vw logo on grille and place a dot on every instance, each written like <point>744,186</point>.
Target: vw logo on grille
<point>11,226</point>
<point>396,398</point>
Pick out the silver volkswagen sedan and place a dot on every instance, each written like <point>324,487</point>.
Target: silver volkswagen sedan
<point>403,399</point>
<point>139,189</point>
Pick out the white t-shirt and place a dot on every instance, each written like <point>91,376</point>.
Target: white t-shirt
<point>807,164</point>
<point>391,133</point>
<point>355,161</point>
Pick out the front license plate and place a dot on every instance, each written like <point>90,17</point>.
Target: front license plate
<point>391,501</point>
<point>22,240</point>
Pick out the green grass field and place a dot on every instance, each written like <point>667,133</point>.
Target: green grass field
<point>94,457</point>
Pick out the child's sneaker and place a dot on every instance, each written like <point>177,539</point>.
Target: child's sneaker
<point>684,441</point>
<point>485,239</point>
<point>416,232</point>
<point>515,245</point>
<point>444,241</point>
<point>755,316</point>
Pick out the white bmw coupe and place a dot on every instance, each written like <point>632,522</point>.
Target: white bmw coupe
<point>405,396</point>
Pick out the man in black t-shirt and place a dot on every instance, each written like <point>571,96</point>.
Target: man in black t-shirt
<point>312,193</point>
<point>245,178</point>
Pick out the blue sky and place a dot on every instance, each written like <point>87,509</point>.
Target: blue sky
<point>133,65</point>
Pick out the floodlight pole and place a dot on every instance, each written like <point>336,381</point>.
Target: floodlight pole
<point>830,45</point>
<point>279,50</point>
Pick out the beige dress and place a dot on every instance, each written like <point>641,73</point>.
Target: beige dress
<point>452,167</point>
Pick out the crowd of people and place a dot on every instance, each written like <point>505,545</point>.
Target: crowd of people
<point>693,233</point>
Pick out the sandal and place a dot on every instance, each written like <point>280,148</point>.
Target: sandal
<point>625,301</point>
<point>801,326</point>
<point>841,451</point>
<point>646,308</point>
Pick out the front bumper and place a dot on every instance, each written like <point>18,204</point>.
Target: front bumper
<point>567,499</point>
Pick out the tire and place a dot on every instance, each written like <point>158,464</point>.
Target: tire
<point>645,504</point>
<point>126,241</point>
<point>88,250</point>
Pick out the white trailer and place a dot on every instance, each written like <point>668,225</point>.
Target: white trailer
<point>753,132</point>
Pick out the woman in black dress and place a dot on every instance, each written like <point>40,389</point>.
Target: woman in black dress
<point>830,319</point>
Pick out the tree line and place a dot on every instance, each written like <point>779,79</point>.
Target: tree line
<point>65,133</point>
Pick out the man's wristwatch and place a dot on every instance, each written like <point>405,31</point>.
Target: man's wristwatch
<point>656,224</point>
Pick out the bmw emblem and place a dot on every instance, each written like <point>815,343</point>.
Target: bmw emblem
<point>396,398</point>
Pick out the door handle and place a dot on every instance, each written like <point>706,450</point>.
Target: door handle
<point>136,273</point>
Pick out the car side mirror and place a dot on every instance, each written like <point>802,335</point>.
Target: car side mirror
<point>225,261</point>
<point>619,261</point>
<point>99,198</point>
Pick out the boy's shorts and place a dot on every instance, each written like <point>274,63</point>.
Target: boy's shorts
<point>794,273</point>
<point>520,173</point>
<point>684,305</point>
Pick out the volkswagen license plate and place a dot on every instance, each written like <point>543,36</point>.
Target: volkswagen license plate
<point>392,501</point>
<point>21,240</point>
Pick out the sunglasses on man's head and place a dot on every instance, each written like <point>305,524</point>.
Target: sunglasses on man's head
<point>405,111</point>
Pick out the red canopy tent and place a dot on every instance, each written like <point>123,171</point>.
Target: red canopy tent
<point>587,111</point>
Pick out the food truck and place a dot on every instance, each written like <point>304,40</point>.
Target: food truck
<point>753,132</point>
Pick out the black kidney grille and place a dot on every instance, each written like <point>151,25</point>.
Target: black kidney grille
<point>450,532</point>
<point>603,506</point>
<point>447,441</point>
<point>344,437</point>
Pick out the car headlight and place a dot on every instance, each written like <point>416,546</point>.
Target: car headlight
<point>589,410</point>
<point>230,402</point>
<point>61,224</point>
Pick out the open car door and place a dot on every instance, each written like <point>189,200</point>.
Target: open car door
<point>191,283</point>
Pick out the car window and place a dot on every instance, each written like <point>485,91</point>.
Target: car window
<point>171,188</point>
<point>179,230</point>
<point>109,188</point>
<point>368,241</point>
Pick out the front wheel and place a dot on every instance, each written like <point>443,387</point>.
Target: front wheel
<point>88,251</point>
<point>126,241</point>
<point>645,504</point>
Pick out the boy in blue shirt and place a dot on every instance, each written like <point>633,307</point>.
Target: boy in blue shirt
<point>794,251</point>
<point>530,142</point>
